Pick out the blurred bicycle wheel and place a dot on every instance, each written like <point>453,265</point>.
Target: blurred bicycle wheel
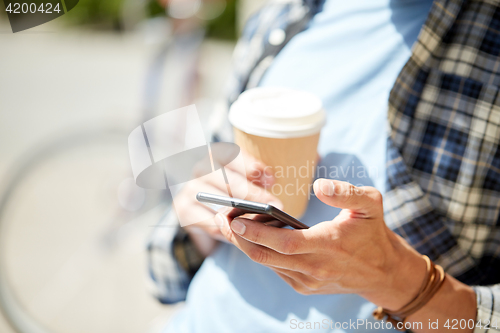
<point>72,234</point>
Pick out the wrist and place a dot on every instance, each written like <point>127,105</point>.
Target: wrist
<point>454,300</point>
<point>186,253</point>
<point>201,241</point>
<point>404,274</point>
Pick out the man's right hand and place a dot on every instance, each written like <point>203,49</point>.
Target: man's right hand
<point>206,234</point>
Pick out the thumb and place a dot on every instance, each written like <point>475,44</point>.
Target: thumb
<point>364,200</point>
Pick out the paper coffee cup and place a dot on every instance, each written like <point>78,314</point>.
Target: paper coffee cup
<point>281,128</point>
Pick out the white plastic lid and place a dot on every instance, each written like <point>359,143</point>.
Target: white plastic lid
<point>275,112</point>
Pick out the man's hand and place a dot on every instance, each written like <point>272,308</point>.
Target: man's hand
<point>205,234</point>
<point>353,253</point>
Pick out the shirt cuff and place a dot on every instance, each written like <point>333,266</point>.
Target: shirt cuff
<point>488,309</point>
<point>169,281</point>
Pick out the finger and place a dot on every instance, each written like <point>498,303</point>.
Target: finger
<point>256,171</point>
<point>255,192</point>
<point>297,286</point>
<point>284,241</point>
<point>261,254</point>
<point>237,179</point>
<point>209,229</point>
<point>209,226</point>
<point>209,185</point>
<point>366,201</point>
<point>302,279</point>
<point>188,208</point>
<point>223,154</point>
<point>221,185</point>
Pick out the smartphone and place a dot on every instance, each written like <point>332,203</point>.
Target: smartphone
<point>246,206</point>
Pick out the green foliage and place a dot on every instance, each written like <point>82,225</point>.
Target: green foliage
<point>154,9</point>
<point>106,14</point>
<point>99,13</point>
<point>224,26</point>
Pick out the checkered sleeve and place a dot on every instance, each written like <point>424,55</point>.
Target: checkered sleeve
<point>170,280</point>
<point>488,309</point>
<point>443,170</point>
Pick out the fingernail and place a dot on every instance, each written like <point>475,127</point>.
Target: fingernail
<point>277,204</point>
<point>326,187</point>
<point>219,220</point>
<point>238,227</point>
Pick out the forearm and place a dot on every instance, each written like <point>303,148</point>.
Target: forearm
<point>452,307</point>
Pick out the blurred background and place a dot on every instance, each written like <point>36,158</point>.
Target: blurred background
<point>73,225</point>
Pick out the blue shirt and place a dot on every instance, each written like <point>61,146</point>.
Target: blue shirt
<point>354,51</point>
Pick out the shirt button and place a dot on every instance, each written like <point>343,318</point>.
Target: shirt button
<point>277,37</point>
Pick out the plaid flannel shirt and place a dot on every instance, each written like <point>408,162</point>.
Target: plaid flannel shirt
<point>443,147</point>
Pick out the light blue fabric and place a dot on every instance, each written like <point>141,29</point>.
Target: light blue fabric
<point>350,57</point>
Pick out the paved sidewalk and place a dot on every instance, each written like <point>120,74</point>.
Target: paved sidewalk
<point>53,82</point>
